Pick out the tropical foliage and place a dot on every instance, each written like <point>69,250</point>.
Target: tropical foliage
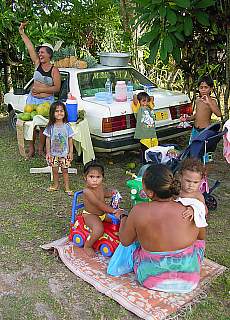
<point>185,38</point>
<point>194,33</point>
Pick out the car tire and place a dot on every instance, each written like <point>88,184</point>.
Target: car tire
<point>12,120</point>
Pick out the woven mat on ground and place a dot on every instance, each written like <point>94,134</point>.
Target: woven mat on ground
<point>147,304</point>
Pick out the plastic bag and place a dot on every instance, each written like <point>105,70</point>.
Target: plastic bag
<point>122,260</point>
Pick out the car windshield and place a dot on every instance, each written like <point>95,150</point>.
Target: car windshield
<point>94,81</point>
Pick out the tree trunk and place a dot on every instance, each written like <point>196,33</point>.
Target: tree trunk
<point>7,78</point>
<point>124,14</point>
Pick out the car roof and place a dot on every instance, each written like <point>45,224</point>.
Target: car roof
<point>98,67</point>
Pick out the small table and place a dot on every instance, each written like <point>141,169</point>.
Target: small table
<point>81,139</point>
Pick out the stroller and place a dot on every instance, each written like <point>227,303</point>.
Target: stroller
<point>200,148</point>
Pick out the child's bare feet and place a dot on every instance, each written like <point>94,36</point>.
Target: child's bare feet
<point>30,153</point>
<point>41,152</point>
<point>90,252</point>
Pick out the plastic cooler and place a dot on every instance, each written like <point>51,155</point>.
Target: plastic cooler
<point>72,110</point>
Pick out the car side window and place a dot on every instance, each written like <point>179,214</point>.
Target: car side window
<point>64,90</point>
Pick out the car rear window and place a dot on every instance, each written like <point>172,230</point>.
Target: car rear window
<point>94,81</point>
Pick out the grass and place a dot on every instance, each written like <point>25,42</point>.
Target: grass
<point>35,285</point>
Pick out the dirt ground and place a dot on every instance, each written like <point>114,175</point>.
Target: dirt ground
<point>36,285</point>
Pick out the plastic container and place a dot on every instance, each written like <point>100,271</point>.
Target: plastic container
<point>129,90</point>
<point>149,88</point>
<point>72,110</point>
<point>109,99</point>
<point>120,91</point>
<point>108,86</point>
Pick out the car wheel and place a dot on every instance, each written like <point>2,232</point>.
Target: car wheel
<point>12,119</point>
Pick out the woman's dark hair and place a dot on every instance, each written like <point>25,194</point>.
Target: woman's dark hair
<point>193,165</point>
<point>159,179</point>
<point>93,165</point>
<point>142,96</point>
<point>48,50</point>
<point>53,107</point>
<point>206,78</point>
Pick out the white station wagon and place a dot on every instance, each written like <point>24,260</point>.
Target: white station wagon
<point>111,125</point>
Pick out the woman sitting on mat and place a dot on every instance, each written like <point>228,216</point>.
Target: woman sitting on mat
<point>167,254</point>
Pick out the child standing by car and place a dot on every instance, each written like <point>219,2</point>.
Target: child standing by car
<point>59,145</point>
<point>145,127</point>
<point>95,208</point>
<point>205,106</point>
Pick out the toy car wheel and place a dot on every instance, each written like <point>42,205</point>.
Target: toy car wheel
<point>106,251</point>
<point>211,202</point>
<point>78,240</point>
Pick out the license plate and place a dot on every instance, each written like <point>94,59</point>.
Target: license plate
<point>161,115</point>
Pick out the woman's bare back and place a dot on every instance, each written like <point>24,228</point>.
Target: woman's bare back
<point>160,226</point>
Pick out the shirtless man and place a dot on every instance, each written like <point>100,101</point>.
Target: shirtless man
<point>205,107</point>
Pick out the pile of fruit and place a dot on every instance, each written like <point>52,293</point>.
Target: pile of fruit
<point>31,110</point>
<point>70,62</point>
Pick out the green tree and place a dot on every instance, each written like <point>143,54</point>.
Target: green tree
<point>91,25</point>
<point>192,32</point>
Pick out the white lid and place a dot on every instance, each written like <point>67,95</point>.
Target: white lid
<point>120,82</point>
<point>71,101</point>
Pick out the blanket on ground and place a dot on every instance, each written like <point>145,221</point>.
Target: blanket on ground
<point>147,304</point>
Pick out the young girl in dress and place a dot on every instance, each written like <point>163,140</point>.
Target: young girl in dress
<point>59,145</point>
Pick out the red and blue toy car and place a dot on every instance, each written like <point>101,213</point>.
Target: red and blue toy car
<point>79,232</point>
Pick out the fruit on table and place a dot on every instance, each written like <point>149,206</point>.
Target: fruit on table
<point>25,116</point>
<point>43,109</point>
<point>33,113</point>
<point>29,108</point>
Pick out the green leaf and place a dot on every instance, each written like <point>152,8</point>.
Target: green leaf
<point>153,51</point>
<point>172,28</point>
<point>171,16</point>
<point>174,40</point>
<point>146,38</point>
<point>180,27</point>
<point>162,11</point>
<point>183,3</point>
<point>163,52</point>
<point>177,54</point>
<point>179,36</point>
<point>143,2</point>
<point>205,4</point>
<point>202,18</point>
<point>168,44</point>
<point>149,36</point>
<point>188,26</point>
